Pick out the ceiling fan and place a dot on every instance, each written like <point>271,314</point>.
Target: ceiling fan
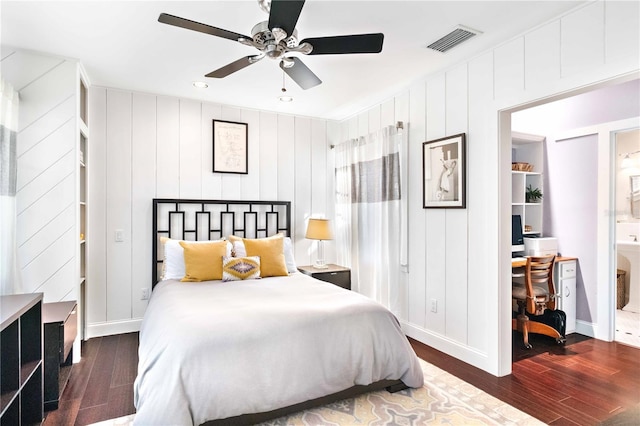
<point>277,38</point>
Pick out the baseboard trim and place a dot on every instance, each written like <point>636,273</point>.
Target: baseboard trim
<point>112,327</point>
<point>455,349</point>
<point>587,328</point>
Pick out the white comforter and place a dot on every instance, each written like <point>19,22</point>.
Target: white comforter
<point>217,349</point>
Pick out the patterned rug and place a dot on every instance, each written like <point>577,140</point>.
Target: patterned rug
<point>444,399</point>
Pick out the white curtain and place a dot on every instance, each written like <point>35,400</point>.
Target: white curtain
<point>369,226</point>
<point>9,277</point>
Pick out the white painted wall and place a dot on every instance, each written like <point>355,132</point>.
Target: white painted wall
<point>461,257</point>
<point>47,231</point>
<point>146,146</point>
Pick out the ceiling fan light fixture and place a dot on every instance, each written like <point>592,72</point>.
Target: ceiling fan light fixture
<point>200,85</point>
<point>285,98</point>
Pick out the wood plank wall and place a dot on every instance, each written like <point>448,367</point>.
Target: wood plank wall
<point>46,229</point>
<point>455,255</point>
<point>144,146</point>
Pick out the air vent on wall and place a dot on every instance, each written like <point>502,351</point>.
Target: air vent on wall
<point>454,38</point>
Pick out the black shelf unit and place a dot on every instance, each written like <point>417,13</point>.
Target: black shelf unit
<point>21,372</point>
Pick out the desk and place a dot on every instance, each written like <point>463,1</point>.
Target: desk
<point>564,277</point>
<point>522,263</point>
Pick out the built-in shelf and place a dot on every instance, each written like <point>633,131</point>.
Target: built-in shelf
<point>527,148</point>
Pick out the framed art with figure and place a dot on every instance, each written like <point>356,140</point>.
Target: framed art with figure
<point>230,153</point>
<point>443,172</point>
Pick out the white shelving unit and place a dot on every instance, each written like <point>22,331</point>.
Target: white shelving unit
<point>527,148</point>
<point>83,163</point>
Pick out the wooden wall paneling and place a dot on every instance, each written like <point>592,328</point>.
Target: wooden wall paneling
<point>190,149</point>
<point>286,163</point>
<point>542,56</point>
<point>333,138</point>
<point>456,297</point>
<point>250,183</point>
<point>303,196</point>
<point>480,95</point>
<point>319,177</point>
<point>61,284</point>
<point>21,67</point>
<point>400,107</point>
<point>211,182</point>
<point>41,184</point>
<point>387,113</point>
<point>417,290</point>
<point>96,293</point>
<point>375,119</point>
<point>43,267</point>
<point>231,189</point>
<point>509,69</point>
<point>168,148</point>
<point>456,108</point>
<point>622,33</point>
<point>46,92</point>
<point>45,237</point>
<point>32,219</point>
<point>268,137</point>
<point>456,219</point>
<point>119,261</point>
<point>143,190</point>
<point>363,124</point>
<point>45,125</point>
<point>40,157</point>
<point>582,42</point>
<point>435,223</point>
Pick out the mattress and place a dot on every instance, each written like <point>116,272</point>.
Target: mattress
<point>213,350</point>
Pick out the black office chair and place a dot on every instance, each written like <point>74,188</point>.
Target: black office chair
<point>534,297</point>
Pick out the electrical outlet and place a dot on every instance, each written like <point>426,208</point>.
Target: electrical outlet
<point>145,294</point>
<point>434,306</point>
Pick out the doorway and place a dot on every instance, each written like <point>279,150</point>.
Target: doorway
<point>627,206</point>
<point>604,108</point>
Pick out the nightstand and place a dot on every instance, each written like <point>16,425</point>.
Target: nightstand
<point>334,274</point>
<point>60,323</point>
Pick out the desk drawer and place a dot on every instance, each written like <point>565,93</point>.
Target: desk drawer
<point>568,269</point>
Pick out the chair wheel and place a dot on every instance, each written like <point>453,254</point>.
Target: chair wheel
<point>561,340</point>
<point>528,346</point>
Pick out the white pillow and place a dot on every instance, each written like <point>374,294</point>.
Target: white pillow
<point>289,259</point>
<point>174,258</point>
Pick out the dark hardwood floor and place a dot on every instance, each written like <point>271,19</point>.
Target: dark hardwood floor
<point>100,386</point>
<point>585,382</point>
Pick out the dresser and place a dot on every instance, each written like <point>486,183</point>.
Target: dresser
<point>60,329</point>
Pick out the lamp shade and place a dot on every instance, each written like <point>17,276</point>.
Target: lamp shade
<point>319,229</point>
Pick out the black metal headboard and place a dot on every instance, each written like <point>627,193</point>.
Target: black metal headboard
<point>201,220</point>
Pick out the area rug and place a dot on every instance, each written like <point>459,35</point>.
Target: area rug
<point>444,399</point>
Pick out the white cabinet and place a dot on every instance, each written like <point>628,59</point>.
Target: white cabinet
<point>82,185</point>
<point>527,149</point>
<point>565,281</point>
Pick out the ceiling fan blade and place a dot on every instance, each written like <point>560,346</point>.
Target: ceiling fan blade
<point>302,75</point>
<point>232,67</point>
<point>176,21</point>
<point>284,14</point>
<point>357,43</point>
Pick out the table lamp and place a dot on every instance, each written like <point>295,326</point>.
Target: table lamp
<point>318,229</point>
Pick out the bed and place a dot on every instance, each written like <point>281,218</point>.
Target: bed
<point>248,350</point>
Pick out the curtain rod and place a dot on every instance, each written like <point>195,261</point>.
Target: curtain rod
<point>399,125</point>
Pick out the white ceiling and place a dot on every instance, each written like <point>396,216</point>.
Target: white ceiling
<point>122,45</point>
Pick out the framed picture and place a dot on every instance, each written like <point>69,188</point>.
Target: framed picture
<point>230,147</point>
<point>443,173</point>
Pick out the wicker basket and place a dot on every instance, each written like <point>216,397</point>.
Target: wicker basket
<point>620,289</point>
<point>522,167</point>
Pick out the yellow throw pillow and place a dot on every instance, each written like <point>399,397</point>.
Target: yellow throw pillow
<point>203,262</point>
<point>271,252</point>
<point>240,268</point>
